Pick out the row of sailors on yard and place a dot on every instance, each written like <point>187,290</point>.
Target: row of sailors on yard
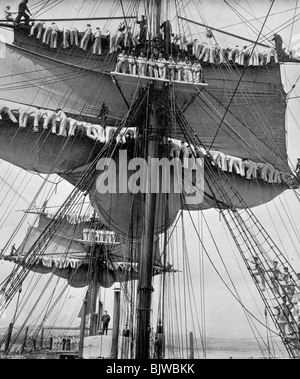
<point>179,69</point>
<point>242,56</point>
<point>202,51</point>
<point>242,167</point>
<point>95,235</point>
<point>69,126</point>
<point>71,36</point>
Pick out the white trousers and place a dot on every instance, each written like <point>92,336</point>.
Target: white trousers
<point>63,127</point>
<point>232,53</point>
<point>84,42</point>
<point>188,76</point>
<point>66,38</point>
<point>208,54</point>
<point>52,118</point>
<point>23,119</point>
<point>153,72</point>
<point>220,159</point>
<point>54,37</point>
<point>237,165</point>
<point>254,59</point>
<point>39,27</point>
<point>97,48</point>
<point>47,36</point>
<point>270,53</point>
<point>37,117</point>
<point>142,69</point>
<point>72,127</point>
<point>74,37</point>
<point>10,114</point>
<point>162,72</point>
<point>132,68</point>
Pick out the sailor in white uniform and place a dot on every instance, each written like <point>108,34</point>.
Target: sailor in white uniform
<point>142,64</point>
<point>54,36</point>
<point>5,108</point>
<point>74,37</point>
<point>132,64</point>
<point>97,47</point>
<point>64,122</point>
<point>40,26</point>
<point>88,35</point>
<point>251,169</point>
<point>220,159</point>
<point>122,62</point>
<point>73,124</point>
<point>152,67</point>
<point>66,37</point>
<point>47,35</point>
<point>50,116</point>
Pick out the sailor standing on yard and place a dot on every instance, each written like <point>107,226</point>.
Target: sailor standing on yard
<point>97,50</point>
<point>143,29</point>
<point>104,111</point>
<point>23,12</point>
<point>298,168</point>
<point>88,35</point>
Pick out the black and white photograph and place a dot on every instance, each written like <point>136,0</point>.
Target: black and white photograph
<point>149,182</point>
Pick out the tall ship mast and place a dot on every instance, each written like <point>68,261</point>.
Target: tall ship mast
<point>213,115</point>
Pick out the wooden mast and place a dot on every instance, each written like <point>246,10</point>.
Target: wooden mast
<point>145,288</point>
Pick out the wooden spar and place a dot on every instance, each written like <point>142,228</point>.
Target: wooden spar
<point>145,288</point>
<point>116,325</point>
<point>100,314</point>
<point>94,291</point>
<point>42,339</point>
<point>74,19</point>
<point>192,353</point>
<point>222,31</point>
<point>82,327</point>
<point>24,340</point>
<point>8,338</point>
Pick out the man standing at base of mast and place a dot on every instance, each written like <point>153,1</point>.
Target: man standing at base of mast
<point>105,321</point>
<point>23,12</point>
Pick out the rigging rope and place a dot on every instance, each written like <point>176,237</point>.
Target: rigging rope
<point>242,75</point>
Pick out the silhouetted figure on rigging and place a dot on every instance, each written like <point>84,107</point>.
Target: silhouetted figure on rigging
<point>143,29</point>
<point>298,168</point>
<point>167,32</point>
<point>23,12</point>
<point>104,111</point>
<point>278,44</point>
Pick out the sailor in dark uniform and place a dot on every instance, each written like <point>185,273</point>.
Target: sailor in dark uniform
<point>298,168</point>
<point>23,12</point>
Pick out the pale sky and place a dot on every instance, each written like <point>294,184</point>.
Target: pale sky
<point>224,317</point>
